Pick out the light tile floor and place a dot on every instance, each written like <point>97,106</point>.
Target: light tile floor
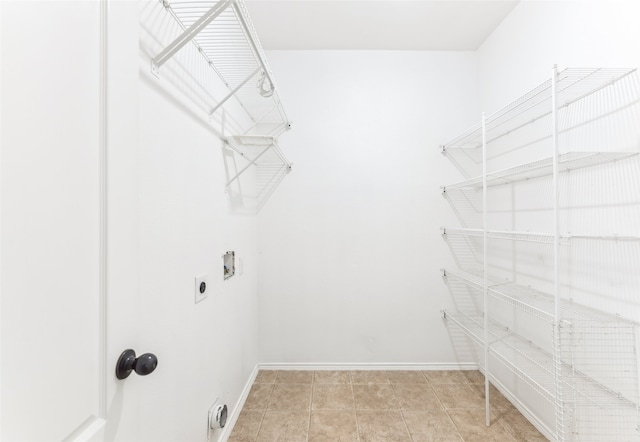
<point>376,406</point>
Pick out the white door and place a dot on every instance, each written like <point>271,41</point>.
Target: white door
<point>56,368</point>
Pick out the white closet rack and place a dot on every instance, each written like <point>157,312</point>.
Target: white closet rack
<point>542,238</point>
<point>531,364</point>
<point>256,149</point>
<point>534,366</point>
<point>571,86</point>
<point>535,301</point>
<point>224,36</point>
<point>543,167</point>
<point>465,197</point>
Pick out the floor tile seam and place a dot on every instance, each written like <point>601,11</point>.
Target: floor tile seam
<point>406,427</point>
<point>455,426</point>
<point>310,405</point>
<point>264,413</point>
<point>493,422</point>
<point>355,411</point>
<point>443,408</point>
<point>506,426</point>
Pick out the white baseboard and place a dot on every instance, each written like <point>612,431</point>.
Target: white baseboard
<point>235,413</point>
<point>368,366</point>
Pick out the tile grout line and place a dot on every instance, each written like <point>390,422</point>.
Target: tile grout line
<point>406,427</point>
<point>313,388</point>
<point>445,410</point>
<point>355,408</point>
<point>402,411</point>
<point>264,412</point>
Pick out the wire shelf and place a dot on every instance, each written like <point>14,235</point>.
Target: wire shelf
<point>578,348</point>
<point>264,153</point>
<point>534,366</point>
<point>600,388</point>
<point>544,238</point>
<point>530,363</point>
<point>466,203</point>
<point>540,304</point>
<point>526,299</point>
<point>573,84</point>
<point>224,35</point>
<point>467,248</point>
<point>526,122</point>
<point>542,167</point>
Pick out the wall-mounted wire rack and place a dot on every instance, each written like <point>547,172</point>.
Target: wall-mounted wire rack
<point>224,36</point>
<point>569,87</point>
<point>557,309</point>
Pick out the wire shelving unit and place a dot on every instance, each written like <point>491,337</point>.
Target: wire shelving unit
<point>532,299</point>
<point>225,39</point>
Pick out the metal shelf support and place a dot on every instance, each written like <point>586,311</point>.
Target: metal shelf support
<point>189,35</point>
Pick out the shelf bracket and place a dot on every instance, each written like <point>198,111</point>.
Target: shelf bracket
<point>188,35</point>
<point>233,92</point>
<point>251,163</point>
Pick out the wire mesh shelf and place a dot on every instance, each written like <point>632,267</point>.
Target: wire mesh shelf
<point>530,363</point>
<point>542,167</point>
<point>467,248</point>
<point>583,388</point>
<point>534,109</point>
<point>600,382</point>
<point>224,35</point>
<point>540,305</point>
<point>559,301</point>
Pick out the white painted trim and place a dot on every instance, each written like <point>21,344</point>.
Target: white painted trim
<point>102,258</point>
<point>369,366</point>
<point>1,210</point>
<point>86,432</point>
<point>235,413</point>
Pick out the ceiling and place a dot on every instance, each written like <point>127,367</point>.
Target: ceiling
<point>436,25</point>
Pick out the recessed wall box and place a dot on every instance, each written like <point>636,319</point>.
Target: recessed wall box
<point>229,263</point>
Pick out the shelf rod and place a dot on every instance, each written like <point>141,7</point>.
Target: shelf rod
<point>189,34</point>
<point>559,405</point>
<point>485,281</point>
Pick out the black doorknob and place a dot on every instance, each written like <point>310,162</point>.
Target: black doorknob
<point>142,365</point>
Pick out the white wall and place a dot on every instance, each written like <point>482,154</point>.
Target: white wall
<point>349,245</point>
<point>206,350</point>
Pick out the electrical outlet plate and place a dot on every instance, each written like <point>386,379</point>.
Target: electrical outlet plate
<point>201,287</point>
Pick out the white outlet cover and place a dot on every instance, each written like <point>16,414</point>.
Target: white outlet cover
<point>202,287</point>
